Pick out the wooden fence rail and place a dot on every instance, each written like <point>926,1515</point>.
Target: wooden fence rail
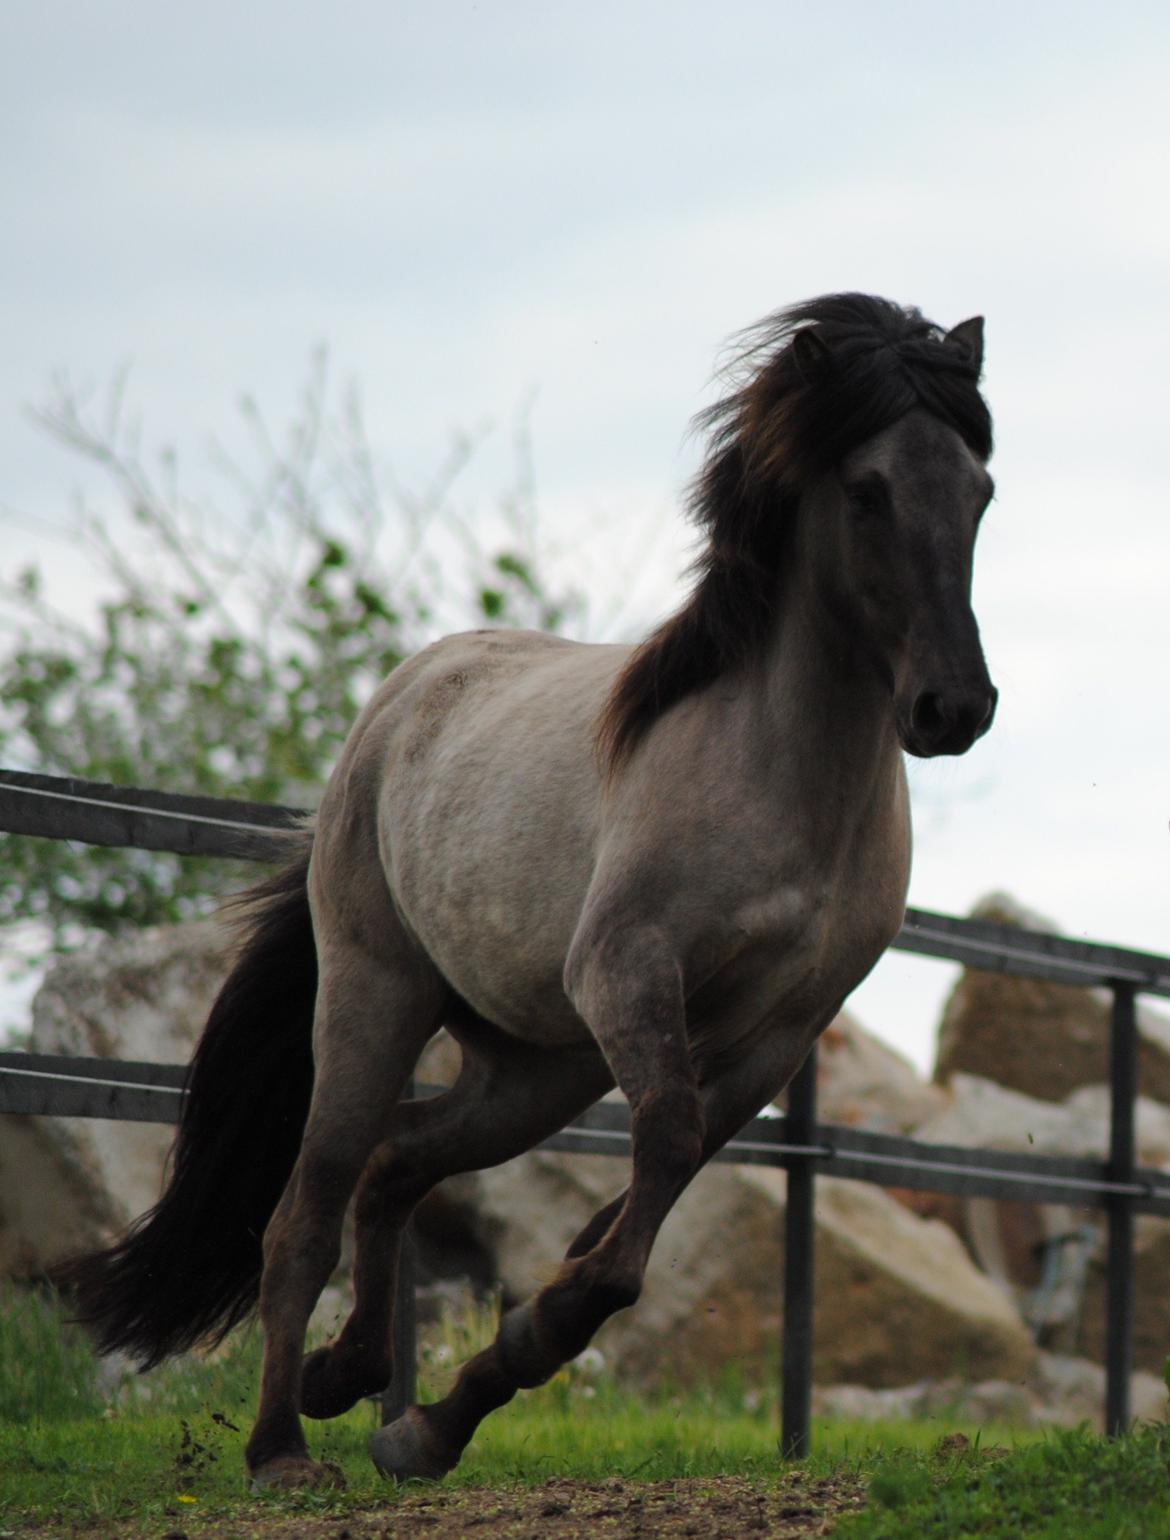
<point>45,1084</point>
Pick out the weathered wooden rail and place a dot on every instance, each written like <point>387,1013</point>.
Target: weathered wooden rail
<point>41,1084</point>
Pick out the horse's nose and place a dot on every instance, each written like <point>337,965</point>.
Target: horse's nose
<point>988,716</point>
<point>950,722</point>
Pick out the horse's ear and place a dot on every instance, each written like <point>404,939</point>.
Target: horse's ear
<point>810,353</point>
<point>968,336</point>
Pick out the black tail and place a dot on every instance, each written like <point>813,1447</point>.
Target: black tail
<point>189,1269</point>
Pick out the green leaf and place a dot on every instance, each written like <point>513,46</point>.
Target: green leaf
<point>514,566</point>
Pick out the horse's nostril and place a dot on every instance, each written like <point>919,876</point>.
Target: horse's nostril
<point>949,722</point>
<point>931,717</point>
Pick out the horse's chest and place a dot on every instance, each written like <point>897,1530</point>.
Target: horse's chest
<point>791,956</point>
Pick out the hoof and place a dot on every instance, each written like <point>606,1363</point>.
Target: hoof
<point>404,1451</point>
<point>326,1392</point>
<point>288,1472</point>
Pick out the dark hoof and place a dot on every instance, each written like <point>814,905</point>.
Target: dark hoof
<point>288,1472</point>
<point>405,1450</point>
<point>327,1389</point>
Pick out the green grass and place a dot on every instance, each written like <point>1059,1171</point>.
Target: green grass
<point>46,1370</point>
<point>77,1474</point>
<point>170,1446</point>
<point>1069,1486</point>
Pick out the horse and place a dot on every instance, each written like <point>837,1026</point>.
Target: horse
<point>661,868</point>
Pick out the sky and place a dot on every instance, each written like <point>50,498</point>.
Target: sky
<point>563,212</point>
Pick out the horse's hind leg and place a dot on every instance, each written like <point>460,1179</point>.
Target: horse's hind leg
<point>508,1097</point>
<point>631,994</point>
<point>373,1015</point>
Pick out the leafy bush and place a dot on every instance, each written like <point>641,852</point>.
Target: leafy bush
<point>230,651</point>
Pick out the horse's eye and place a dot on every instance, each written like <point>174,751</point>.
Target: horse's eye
<point>868,499</point>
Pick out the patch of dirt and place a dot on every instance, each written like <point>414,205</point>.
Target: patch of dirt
<point>727,1508</point>
<point>192,1459</point>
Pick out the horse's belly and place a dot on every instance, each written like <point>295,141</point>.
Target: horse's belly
<point>499,932</point>
<point>522,995</point>
<point>497,917</point>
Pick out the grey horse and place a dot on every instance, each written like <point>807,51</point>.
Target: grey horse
<point>661,868</point>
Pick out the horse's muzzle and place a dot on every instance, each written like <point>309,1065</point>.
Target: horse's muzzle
<point>947,722</point>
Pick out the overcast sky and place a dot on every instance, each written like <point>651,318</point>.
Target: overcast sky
<point>471,203</point>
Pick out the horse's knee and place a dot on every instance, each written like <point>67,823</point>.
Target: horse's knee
<point>609,1295</point>
<point>537,1337</point>
<point>669,1130</point>
<point>390,1189</point>
<point>335,1378</point>
<point>603,1285</point>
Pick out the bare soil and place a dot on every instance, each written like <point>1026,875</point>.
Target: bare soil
<point>727,1508</point>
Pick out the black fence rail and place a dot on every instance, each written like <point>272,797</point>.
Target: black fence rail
<point>47,1084</point>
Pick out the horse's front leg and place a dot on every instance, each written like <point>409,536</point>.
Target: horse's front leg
<point>732,1095</point>
<point>629,990</point>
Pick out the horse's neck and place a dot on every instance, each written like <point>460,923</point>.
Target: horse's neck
<point>823,718</point>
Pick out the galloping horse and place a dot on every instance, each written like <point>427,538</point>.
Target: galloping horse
<point>662,867</point>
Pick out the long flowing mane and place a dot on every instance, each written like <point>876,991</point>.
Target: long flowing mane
<point>808,384</point>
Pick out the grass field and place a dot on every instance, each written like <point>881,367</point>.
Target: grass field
<point>166,1459</point>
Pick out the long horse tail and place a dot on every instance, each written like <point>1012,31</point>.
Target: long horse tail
<point>189,1269</point>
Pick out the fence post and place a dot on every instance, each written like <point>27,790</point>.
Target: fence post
<point>1119,1211</point>
<point>799,1261</point>
<point>402,1389</point>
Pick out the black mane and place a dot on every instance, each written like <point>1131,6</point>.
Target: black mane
<point>809,384</point>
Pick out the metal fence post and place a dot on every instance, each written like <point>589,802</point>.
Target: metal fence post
<point>402,1389</point>
<point>797,1349</point>
<point>1119,1211</point>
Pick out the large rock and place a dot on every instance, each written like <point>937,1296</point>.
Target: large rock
<point>897,1296</point>
<point>1053,1256</point>
<point>49,1203</point>
<point>864,1083</point>
<point>899,1290</point>
<point>1058,1391</point>
<point>1151,1303</point>
<point>1040,1038</point>
<point>66,1183</point>
<point>986,1115</point>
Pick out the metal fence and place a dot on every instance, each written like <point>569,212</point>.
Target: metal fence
<point>39,1084</point>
